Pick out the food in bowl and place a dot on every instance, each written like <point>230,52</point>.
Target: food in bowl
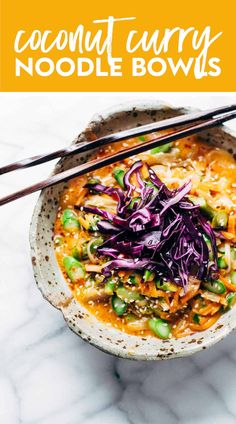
<point>148,245</point>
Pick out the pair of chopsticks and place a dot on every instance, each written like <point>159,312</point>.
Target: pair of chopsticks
<point>202,121</point>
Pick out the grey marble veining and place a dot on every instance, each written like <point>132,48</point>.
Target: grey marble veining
<point>47,374</point>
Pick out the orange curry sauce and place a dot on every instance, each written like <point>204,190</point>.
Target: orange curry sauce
<point>213,175</point>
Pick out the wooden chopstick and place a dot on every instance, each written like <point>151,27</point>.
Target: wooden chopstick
<point>122,135</point>
<point>134,150</point>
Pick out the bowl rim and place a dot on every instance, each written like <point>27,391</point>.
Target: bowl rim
<point>139,105</point>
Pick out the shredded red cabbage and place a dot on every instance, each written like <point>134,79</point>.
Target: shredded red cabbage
<point>161,230</point>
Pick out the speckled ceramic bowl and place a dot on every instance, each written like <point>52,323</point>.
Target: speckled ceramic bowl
<point>50,280</point>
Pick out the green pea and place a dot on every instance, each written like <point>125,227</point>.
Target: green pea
<point>109,287</point>
<point>222,264</point>
<point>233,277</point>
<point>215,286</point>
<point>220,220</point>
<point>118,174</point>
<point>203,205</point>
<point>118,305</point>
<point>231,299</point>
<point>74,269</point>
<point>159,327</point>
<point>142,138</point>
<point>164,149</point>
<point>166,286</point>
<point>148,275</point>
<point>128,295</point>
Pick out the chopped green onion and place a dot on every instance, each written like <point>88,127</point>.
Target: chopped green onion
<point>220,220</point>
<point>148,275</point>
<point>133,201</point>
<point>215,286</point>
<point>208,243</point>
<point>161,149</point>
<point>196,319</point>
<point>74,269</point>
<point>118,174</point>
<point>222,264</point>
<point>149,184</point>
<point>93,181</point>
<point>166,286</point>
<point>71,224</point>
<point>128,295</point>
<point>80,251</point>
<point>231,299</point>
<point>132,280</point>
<point>142,138</point>
<point>233,253</point>
<point>118,305</point>
<point>67,214</point>
<point>159,327</point>
<point>58,240</point>
<point>110,286</point>
<point>233,277</point>
<point>221,248</point>
<point>203,205</point>
<point>93,220</point>
<point>131,317</point>
<point>69,221</point>
<point>95,244</point>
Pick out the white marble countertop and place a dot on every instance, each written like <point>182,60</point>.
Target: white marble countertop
<point>47,374</point>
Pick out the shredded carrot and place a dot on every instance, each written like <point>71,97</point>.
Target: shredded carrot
<point>205,323</point>
<point>228,285</point>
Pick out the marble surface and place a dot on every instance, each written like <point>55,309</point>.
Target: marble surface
<point>47,374</point>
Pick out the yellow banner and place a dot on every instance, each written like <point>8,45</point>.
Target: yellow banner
<point>117,46</point>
